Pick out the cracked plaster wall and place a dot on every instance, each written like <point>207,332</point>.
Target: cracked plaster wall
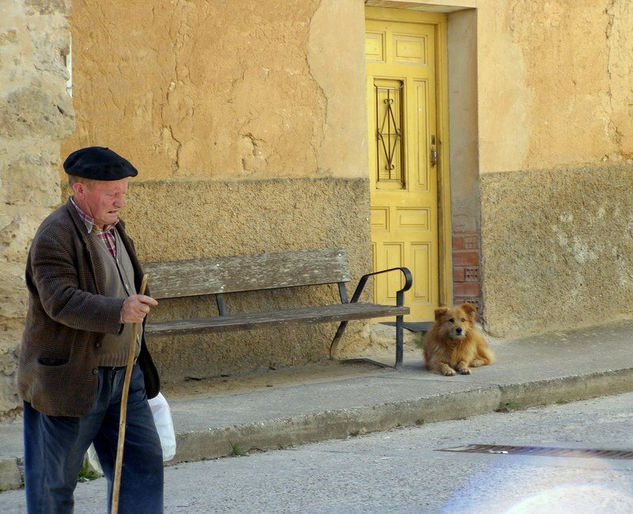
<point>555,158</point>
<point>222,90</point>
<point>554,83</point>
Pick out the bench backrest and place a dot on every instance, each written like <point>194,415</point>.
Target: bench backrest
<point>247,273</point>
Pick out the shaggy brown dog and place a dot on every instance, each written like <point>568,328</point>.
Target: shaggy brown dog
<point>453,343</point>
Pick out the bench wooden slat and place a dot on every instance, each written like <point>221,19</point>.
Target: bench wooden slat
<point>247,273</point>
<point>247,321</point>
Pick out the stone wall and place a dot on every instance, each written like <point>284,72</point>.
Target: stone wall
<point>555,108</point>
<point>247,121</point>
<point>35,116</point>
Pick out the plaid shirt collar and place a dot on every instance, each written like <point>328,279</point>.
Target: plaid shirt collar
<point>106,235</point>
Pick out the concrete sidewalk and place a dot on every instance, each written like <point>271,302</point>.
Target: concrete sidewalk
<point>340,399</point>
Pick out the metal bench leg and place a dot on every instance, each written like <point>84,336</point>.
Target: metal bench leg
<point>399,340</point>
<point>337,337</point>
<point>399,330</point>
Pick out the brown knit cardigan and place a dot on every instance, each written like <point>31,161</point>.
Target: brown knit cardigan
<point>68,316</point>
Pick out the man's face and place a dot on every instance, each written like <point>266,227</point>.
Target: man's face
<point>101,199</point>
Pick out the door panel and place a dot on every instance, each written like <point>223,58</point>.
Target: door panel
<point>401,78</point>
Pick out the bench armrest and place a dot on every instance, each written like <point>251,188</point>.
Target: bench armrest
<point>408,281</point>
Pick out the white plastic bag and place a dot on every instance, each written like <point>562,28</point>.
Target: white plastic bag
<point>164,425</point>
<point>91,461</point>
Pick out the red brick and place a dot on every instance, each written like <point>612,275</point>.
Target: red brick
<point>475,300</point>
<point>466,241</point>
<point>458,242</point>
<point>466,289</point>
<point>465,258</point>
<point>459,275</point>
<point>471,274</point>
<point>471,242</point>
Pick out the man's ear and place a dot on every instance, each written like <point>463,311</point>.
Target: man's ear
<point>79,188</point>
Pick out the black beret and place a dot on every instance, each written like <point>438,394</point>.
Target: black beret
<point>98,163</point>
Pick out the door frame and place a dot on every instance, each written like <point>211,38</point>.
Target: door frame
<point>445,244</point>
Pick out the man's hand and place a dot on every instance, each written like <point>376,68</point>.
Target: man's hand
<point>136,307</point>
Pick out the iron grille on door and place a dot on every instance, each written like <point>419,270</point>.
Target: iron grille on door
<point>389,133</point>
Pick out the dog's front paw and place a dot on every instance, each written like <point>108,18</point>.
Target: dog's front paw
<point>462,368</point>
<point>447,371</point>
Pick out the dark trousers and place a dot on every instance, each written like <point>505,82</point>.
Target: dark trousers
<point>54,448</point>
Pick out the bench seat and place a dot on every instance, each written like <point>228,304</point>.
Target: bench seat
<point>246,321</point>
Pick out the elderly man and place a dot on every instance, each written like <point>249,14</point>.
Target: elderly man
<point>82,276</point>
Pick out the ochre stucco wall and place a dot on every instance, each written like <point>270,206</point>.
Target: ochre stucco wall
<point>557,248</point>
<point>462,90</point>
<point>555,128</point>
<point>554,83</point>
<point>222,90</point>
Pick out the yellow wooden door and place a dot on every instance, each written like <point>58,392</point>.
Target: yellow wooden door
<point>401,92</point>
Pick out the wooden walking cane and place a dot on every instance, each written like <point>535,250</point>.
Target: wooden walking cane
<point>122,416</point>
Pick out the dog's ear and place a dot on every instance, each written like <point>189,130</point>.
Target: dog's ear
<point>469,309</point>
<point>440,312</point>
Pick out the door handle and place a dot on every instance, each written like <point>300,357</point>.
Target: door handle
<point>433,152</point>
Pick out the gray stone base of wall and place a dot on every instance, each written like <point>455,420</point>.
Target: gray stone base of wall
<point>556,248</point>
<point>188,220</point>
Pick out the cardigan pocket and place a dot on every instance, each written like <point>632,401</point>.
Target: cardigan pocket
<point>61,389</point>
<point>64,385</point>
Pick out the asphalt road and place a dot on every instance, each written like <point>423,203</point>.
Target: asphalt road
<point>405,470</point>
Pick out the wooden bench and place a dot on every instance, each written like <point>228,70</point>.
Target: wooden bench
<point>225,275</point>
